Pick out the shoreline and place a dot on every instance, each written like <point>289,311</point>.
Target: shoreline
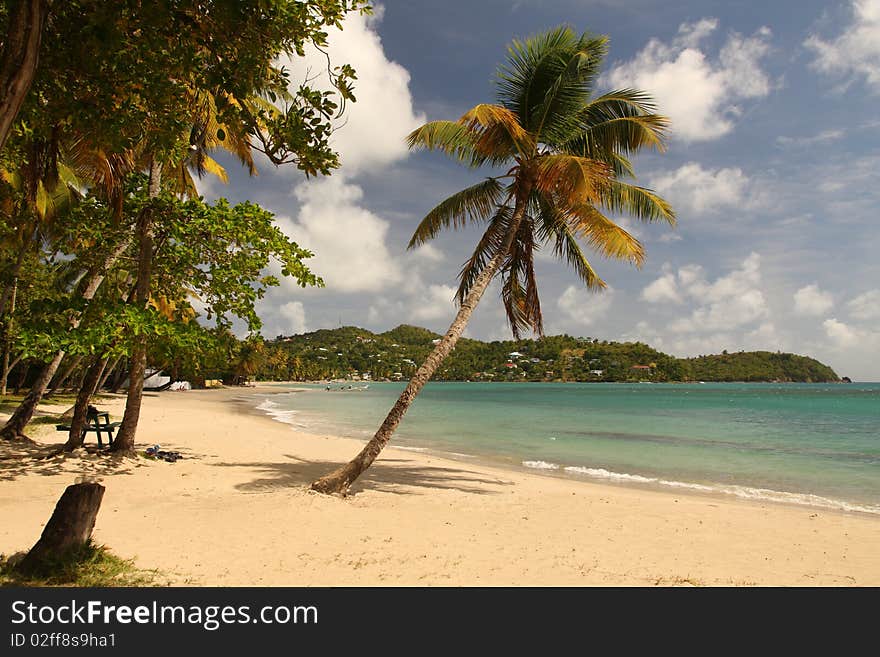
<point>600,475</point>
<point>236,511</point>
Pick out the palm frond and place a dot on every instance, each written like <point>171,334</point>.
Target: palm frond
<point>567,249</point>
<point>573,179</point>
<point>519,289</point>
<point>473,204</point>
<point>452,137</point>
<point>548,78</point>
<point>604,235</point>
<point>490,243</point>
<point>640,202</point>
<point>619,121</point>
<point>497,132</point>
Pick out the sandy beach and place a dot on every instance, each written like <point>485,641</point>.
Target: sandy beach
<point>236,511</point>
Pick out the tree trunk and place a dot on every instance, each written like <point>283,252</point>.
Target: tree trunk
<point>107,372</point>
<point>341,479</point>
<point>119,379</point>
<point>14,427</point>
<point>18,63</point>
<point>124,443</point>
<point>7,337</point>
<point>69,527</point>
<point>22,378</point>
<point>81,408</point>
<point>7,370</point>
<point>10,290</point>
<point>61,379</point>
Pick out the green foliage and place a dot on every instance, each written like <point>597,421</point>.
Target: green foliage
<point>122,73</point>
<point>216,253</point>
<point>348,352</point>
<point>758,366</point>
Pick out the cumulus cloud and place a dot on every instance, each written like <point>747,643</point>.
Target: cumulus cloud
<point>855,52</point>
<point>374,127</point>
<point>865,306</point>
<point>841,334</point>
<point>437,302</point>
<point>731,301</point>
<point>584,307</point>
<point>698,91</point>
<point>294,314</point>
<point>810,300</point>
<point>348,240</point>
<point>663,289</point>
<point>702,190</point>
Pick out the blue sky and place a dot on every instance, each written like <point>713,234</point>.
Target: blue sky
<point>772,168</point>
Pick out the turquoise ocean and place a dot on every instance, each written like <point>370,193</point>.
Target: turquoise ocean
<point>811,444</point>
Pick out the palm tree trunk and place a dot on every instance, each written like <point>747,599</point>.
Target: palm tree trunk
<point>18,63</point>
<point>341,479</point>
<point>14,427</point>
<point>124,443</point>
<point>81,408</point>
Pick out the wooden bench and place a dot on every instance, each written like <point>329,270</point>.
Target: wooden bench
<point>93,423</point>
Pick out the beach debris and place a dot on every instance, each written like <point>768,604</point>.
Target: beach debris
<point>156,452</point>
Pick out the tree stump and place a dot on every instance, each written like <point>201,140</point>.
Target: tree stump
<point>69,527</point>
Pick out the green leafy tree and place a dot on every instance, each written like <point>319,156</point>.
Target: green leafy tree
<point>565,157</point>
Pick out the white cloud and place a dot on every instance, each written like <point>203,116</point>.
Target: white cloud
<point>729,302</point>
<point>437,302</point>
<point>429,253</point>
<point>841,334</point>
<point>702,190</point>
<point>294,314</point>
<point>348,241</point>
<point>585,307</point>
<point>375,126</point>
<point>810,300</point>
<point>698,92</point>
<point>855,52</point>
<point>663,289</point>
<point>865,306</point>
<point>824,137</point>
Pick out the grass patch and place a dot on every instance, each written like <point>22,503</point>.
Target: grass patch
<point>90,565</point>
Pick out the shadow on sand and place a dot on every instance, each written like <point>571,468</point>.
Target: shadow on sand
<point>20,459</point>
<point>389,475</point>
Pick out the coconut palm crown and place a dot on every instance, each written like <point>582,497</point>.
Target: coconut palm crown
<point>567,154</point>
<point>564,157</point>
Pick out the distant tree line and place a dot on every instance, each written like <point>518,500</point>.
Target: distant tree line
<point>355,353</point>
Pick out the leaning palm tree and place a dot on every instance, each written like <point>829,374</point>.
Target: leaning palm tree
<point>565,158</point>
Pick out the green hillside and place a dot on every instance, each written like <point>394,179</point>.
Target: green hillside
<point>354,353</point>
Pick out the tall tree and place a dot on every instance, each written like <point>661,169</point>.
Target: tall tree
<point>565,154</point>
<point>19,57</point>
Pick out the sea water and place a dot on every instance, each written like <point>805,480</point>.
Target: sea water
<point>814,444</point>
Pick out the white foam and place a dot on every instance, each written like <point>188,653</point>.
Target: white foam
<point>412,449</point>
<point>540,465</point>
<point>608,474</point>
<point>745,492</point>
<point>273,410</point>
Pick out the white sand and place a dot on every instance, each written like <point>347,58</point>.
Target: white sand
<point>236,511</point>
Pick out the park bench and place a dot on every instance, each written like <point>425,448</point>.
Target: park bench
<point>94,423</point>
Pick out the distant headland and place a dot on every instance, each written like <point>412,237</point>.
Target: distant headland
<point>353,353</point>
